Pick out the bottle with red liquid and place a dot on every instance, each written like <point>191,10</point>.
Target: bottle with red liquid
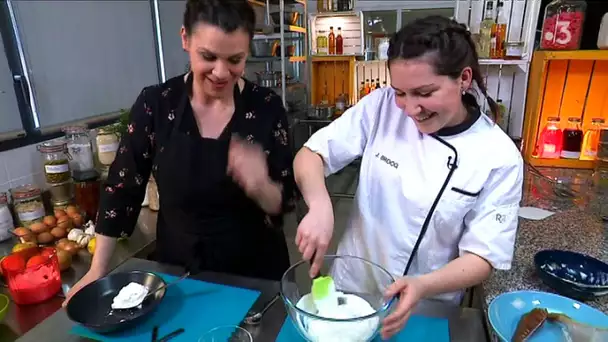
<point>550,140</point>
<point>339,42</point>
<point>572,139</point>
<point>563,25</point>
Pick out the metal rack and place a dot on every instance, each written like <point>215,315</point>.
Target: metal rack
<point>294,32</point>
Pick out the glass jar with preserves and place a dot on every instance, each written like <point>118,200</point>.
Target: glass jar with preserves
<point>563,25</point>
<point>29,207</point>
<point>107,145</point>
<point>55,159</point>
<point>514,50</point>
<point>62,191</point>
<point>87,196</point>
<point>573,139</point>
<point>6,219</point>
<point>80,148</point>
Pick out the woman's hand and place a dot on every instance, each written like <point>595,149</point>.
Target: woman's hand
<point>314,234</point>
<point>88,278</point>
<point>411,291</point>
<point>248,167</point>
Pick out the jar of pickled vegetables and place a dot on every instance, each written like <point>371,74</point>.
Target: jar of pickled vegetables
<point>29,207</point>
<point>55,159</point>
<point>563,25</point>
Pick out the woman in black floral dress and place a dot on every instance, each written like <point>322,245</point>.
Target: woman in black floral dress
<point>218,148</point>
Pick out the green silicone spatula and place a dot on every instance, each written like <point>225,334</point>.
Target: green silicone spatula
<point>321,286</point>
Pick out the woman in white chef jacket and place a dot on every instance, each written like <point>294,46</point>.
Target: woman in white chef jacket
<point>424,133</point>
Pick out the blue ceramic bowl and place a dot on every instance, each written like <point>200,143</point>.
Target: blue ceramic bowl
<point>507,309</point>
<point>572,274</point>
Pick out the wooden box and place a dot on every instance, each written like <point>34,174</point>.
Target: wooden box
<point>564,84</point>
<point>352,30</point>
<point>337,72</point>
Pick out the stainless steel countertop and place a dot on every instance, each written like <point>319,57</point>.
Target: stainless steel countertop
<point>22,318</point>
<point>465,324</point>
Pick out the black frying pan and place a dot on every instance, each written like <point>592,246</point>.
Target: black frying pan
<point>91,306</point>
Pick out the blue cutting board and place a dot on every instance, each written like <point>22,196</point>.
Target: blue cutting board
<point>196,306</point>
<point>418,328</point>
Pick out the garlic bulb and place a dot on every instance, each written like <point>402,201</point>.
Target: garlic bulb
<point>89,228</point>
<point>74,234</point>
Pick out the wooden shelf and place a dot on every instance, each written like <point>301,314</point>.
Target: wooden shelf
<point>594,55</point>
<point>292,59</point>
<point>564,163</point>
<point>331,58</point>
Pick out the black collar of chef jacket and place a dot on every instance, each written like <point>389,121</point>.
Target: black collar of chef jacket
<point>474,115</point>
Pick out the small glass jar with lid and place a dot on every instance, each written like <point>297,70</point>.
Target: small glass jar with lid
<point>55,158</point>
<point>80,148</point>
<point>6,219</point>
<point>29,207</point>
<point>107,145</point>
<point>563,25</point>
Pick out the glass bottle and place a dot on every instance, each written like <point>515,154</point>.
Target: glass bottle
<point>500,31</point>
<point>339,42</point>
<point>591,140</point>
<point>562,27</point>
<point>362,92</point>
<point>485,31</point>
<point>377,83</point>
<point>322,43</point>
<point>80,149</point>
<point>321,6</point>
<point>573,139</point>
<point>550,140</point>
<point>331,38</point>
<point>368,88</point>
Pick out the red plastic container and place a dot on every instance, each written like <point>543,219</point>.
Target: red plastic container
<point>32,275</point>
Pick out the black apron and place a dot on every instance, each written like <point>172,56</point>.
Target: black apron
<point>206,222</point>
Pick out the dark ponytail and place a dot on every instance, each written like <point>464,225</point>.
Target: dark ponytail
<point>451,48</point>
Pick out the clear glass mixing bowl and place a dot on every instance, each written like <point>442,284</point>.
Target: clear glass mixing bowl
<point>347,272</point>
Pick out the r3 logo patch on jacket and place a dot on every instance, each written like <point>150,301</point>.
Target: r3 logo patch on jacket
<point>388,161</point>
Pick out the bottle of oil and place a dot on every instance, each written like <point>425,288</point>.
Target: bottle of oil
<point>339,42</point>
<point>321,6</point>
<point>485,31</point>
<point>332,41</point>
<point>500,31</point>
<point>592,139</point>
<point>362,91</point>
<point>322,45</point>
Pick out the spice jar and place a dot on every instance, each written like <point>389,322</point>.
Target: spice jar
<point>514,50</point>
<point>27,200</point>
<point>80,149</point>
<point>107,145</point>
<point>55,158</point>
<point>6,219</point>
<point>563,25</point>
<point>63,205</point>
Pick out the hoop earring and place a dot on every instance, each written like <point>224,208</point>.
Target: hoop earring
<point>464,92</point>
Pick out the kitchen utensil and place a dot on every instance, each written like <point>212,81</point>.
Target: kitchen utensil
<point>255,317</point>
<point>265,47</point>
<point>270,79</point>
<point>4,304</point>
<point>321,112</point>
<point>300,306</point>
<point>417,328</point>
<point>172,335</point>
<point>225,333</point>
<point>291,18</point>
<point>100,317</point>
<point>572,274</point>
<point>162,287</point>
<point>505,311</point>
<point>194,305</point>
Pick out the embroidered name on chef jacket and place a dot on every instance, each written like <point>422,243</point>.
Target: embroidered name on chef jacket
<point>388,161</point>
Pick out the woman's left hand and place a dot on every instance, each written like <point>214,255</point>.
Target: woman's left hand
<point>411,291</point>
<point>247,166</point>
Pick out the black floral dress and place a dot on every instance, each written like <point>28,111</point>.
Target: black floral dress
<point>206,222</point>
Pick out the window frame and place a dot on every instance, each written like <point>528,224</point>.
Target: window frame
<point>34,134</point>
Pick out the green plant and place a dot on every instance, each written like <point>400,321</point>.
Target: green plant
<point>120,126</point>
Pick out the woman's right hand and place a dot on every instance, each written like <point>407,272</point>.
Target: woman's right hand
<point>88,278</point>
<point>314,234</point>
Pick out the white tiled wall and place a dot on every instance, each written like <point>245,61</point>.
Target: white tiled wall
<point>21,166</point>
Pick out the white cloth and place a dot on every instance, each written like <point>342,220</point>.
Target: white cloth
<point>401,173</point>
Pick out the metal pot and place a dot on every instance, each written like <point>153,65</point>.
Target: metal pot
<point>270,79</point>
<point>321,112</point>
<point>291,18</point>
<point>264,48</point>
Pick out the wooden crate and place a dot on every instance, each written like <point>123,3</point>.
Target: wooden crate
<point>564,84</point>
<point>352,30</point>
<point>335,71</point>
<point>506,80</point>
<point>365,70</point>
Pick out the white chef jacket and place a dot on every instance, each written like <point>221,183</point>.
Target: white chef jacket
<point>401,173</point>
